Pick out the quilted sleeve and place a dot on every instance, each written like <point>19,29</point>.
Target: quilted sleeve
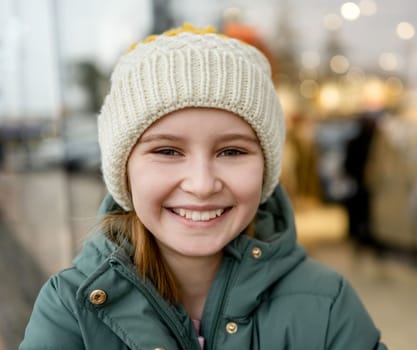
<point>52,324</point>
<point>350,326</point>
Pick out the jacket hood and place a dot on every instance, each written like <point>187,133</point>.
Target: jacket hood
<point>250,275</point>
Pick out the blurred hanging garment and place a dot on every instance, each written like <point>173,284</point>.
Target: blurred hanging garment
<point>392,179</point>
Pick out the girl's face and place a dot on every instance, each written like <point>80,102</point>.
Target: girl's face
<point>196,180</point>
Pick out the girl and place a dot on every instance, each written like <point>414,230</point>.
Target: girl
<point>197,247</point>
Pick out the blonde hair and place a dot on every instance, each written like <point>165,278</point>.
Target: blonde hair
<point>120,226</point>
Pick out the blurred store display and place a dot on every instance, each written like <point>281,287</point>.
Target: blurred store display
<point>392,179</point>
<point>72,145</point>
<point>76,149</point>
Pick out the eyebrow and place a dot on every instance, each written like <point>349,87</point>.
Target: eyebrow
<point>237,136</point>
<point>159,137</point>
<point>222,137</point>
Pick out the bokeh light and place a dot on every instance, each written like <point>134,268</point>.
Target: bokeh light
<point>374,94</point>
<point>389,61</point>
<point>350,11</point>
<point>329,97</point>
<point>405,30</point>
<point>339,64</point>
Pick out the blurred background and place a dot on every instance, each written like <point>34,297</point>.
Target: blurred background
<point>346,73</point>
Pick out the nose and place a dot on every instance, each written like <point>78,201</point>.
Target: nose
<point>201,178</point>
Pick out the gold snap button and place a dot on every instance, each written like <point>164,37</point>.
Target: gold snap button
<point>98,297</point>
<point>231,328</point>
<point>256,252</point>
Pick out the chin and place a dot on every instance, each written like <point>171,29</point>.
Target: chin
<point>201,253</point>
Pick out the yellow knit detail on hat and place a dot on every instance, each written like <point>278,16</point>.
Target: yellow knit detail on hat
<point>132,47</point>
<point>189,28</point>
<point>185,28</point>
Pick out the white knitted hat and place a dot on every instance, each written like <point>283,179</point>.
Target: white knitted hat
<point>183,68</point>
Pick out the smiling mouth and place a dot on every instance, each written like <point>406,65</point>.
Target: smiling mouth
<point>199,215</point>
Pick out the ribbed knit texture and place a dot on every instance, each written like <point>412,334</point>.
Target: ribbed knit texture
<point>187,70</point>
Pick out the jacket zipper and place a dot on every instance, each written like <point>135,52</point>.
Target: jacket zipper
<point>211,337</point>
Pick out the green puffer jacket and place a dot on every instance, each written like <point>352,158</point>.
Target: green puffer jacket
<point>266,295</point>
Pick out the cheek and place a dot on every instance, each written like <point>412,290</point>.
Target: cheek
<point>138,188</point>
<point>148,186</point>
<point>145,199</point>
<point>251,179</point>
<point>139,183</point>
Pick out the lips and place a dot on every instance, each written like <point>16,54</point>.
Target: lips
<point>198,215</point>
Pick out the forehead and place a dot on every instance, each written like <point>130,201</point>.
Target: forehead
<point>200,121</point>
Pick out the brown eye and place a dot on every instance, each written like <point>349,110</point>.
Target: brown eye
<point>167,152</point>
<point>231,152</point>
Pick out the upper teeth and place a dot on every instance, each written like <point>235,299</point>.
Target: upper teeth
<point>199,215</point>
